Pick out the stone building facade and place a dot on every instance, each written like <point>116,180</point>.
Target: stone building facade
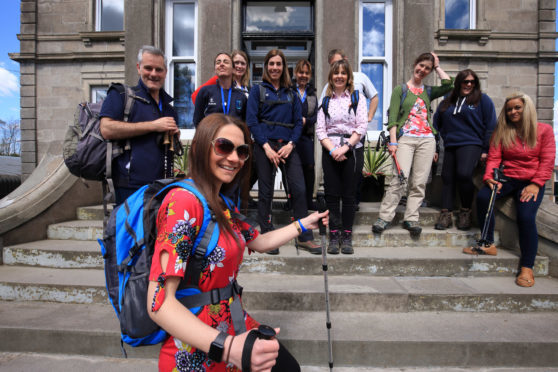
<point>66,56</point>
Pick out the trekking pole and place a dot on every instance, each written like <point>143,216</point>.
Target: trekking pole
<point>321,208</point>
<point>384,142</point>
<point>283,168</point>
<point>498,177</point>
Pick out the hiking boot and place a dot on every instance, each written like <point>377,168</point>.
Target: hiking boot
<point>444,220</point>
<point>347,242</point>
<point>413,227</point>
<point>309,246</point>
<point>464,219</point>
<point>379,226</point>
<point>490,250</point>
<point>333,242</point>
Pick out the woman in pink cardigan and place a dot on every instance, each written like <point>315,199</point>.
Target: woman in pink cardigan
<point>527,149</point>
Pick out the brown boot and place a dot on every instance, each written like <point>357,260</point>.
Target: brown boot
<point>445,220</point>
<point>464,219</point>
<point>490,250</point>
<point>526,278</point>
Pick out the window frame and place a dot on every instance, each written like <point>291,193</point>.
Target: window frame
<point>386,60</point>
<point>98,18</point>
<point>171,59</point>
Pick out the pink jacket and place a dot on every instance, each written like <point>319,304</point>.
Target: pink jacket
<point>524,163</point>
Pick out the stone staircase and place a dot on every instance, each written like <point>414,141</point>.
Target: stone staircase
<point>397,302</point>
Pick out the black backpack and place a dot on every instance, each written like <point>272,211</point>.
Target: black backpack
<point>86,153</point>
<point>354,103</point>
<point>263,102</point>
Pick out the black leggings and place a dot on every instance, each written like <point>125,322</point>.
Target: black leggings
<point>458,167</point>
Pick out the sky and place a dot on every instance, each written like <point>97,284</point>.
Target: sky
<point>9,70</point>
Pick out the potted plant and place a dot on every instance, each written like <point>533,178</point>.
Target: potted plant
<point>181,161</point>
<point>376,162</point>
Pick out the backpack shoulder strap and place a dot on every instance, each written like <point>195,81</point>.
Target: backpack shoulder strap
<point>354,101</point>
<point>325,105</point>
<point>404,89</point>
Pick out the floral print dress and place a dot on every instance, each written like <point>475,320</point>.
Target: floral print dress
<point>179,219</point>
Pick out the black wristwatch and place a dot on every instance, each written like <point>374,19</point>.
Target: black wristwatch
<point>217,347</point>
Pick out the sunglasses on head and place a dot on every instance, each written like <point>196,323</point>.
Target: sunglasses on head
<point>467,82</point>
<point>225,147</point>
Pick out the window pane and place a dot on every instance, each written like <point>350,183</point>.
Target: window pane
<point>375,72</point>
<point>184,86</point>
<point>112,15</point>
<point>457,14</point>
<point>373,29</point>
<point>183,29</point>
<point>98,93</point>
<point>278,16</point>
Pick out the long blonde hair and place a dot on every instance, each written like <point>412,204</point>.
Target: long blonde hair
<point>506,132</point>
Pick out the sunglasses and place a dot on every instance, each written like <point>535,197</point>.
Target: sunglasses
<point>224,147</point>
<point>467,82</point>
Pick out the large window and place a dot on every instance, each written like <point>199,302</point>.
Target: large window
<point>181,53</point>
<point>460,14</point>
<point>375,53</point>
<point>110,15</point>
<point>278,16</point>
<point>284,25</point>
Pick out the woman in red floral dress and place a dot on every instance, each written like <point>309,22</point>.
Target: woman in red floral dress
<point>217,156</point>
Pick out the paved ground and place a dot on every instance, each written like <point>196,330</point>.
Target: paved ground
<point>16,362</point>
<point>10,165</point>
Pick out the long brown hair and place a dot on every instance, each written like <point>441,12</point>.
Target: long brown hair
<point>343,63</point>
<point>472,99</point>
<point>200,171</point>
<point>246,77</point>
<point>506,132</point>
<point>285,79</point>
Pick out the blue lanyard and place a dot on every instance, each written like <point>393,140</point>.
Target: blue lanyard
<point>160,105</point>
<point>303,97</point>
<point>226,105</point>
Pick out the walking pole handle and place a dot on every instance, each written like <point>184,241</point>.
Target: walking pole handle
<point>321,208</point>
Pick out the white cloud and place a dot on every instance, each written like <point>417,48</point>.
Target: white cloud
<point>10,83</point>
<point>373,43</point>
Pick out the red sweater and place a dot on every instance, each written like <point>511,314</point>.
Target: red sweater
<point>524,163</point>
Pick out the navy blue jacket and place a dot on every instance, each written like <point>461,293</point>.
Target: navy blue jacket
<point>145,162</point>
<point>209,101</point>
<point>283,113</point>
<point>462,124</point>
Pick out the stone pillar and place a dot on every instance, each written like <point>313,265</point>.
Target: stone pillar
<point>139,18</point>
<point>214,35</point>
<point>546,69</point>
<point>28,50</point>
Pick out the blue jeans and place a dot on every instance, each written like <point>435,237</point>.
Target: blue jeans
<point>526,215</point>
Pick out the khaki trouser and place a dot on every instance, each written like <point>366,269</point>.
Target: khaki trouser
<point>415,156</point>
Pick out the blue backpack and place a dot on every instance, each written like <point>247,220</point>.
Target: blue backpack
<point>128,246</point>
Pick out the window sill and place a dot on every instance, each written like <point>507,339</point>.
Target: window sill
<point>89,37</point>
<point>480,36</point>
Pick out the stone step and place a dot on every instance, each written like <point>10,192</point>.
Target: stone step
<point>306,292</point>
<point>18,361</point>
<point>395,236</point>
<point>76,230</point>
<point>381,339</point>
<point>378,261</point>
<point>367,214</point>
